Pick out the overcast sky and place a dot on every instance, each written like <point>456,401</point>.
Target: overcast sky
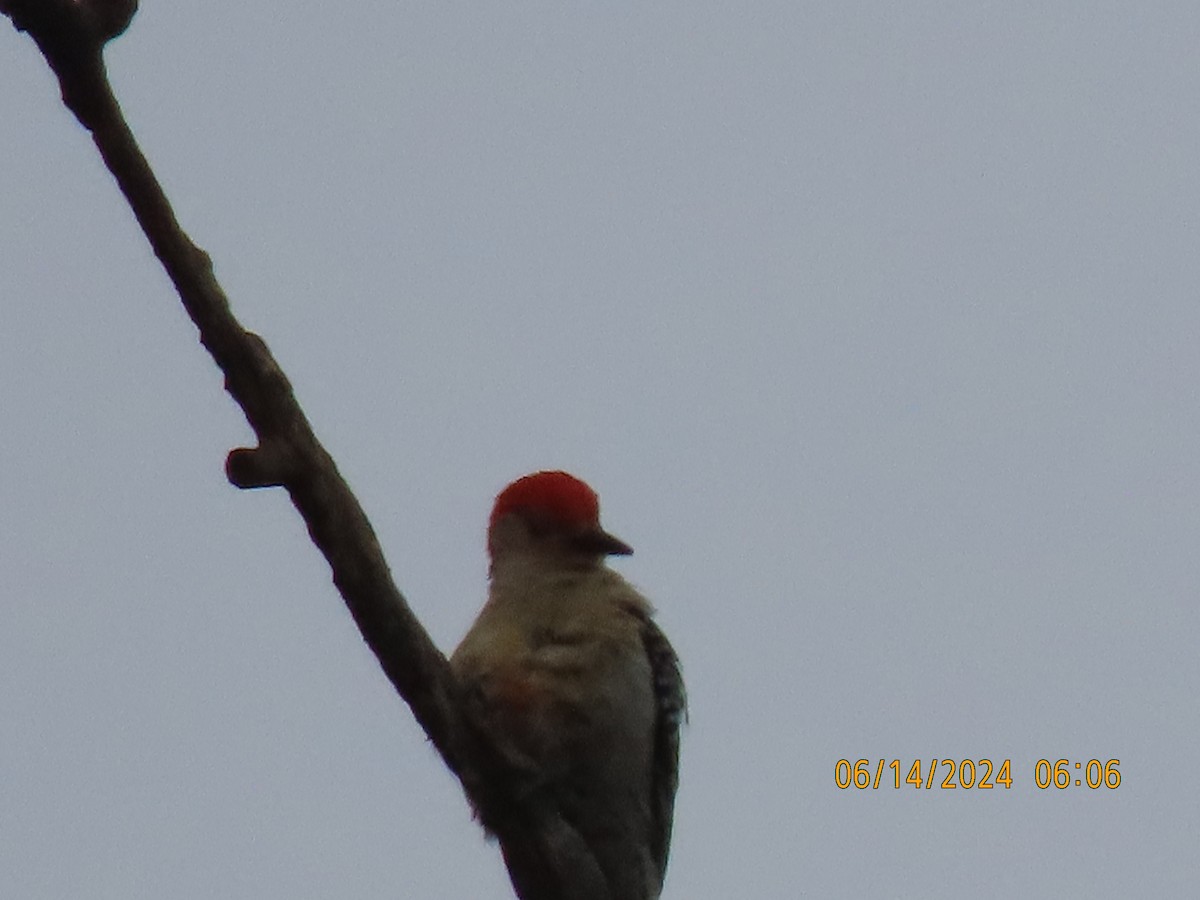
<point>875,325</point>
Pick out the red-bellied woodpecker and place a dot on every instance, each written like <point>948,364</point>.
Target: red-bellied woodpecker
<point>576,680</point>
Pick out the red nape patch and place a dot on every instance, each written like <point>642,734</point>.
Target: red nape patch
<point>561,497</point>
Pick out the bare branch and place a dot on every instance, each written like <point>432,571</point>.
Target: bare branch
<point>547,859</point>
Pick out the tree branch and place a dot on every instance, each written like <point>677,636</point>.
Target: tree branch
<point>547,859</point>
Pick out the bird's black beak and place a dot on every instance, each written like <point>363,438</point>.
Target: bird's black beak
<point>600,542</point>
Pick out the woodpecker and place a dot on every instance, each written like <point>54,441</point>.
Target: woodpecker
<point>575,680</point>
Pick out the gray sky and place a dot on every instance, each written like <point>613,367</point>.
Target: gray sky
<point>875,325</point>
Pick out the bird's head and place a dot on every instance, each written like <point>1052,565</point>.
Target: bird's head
<point>550,514</point>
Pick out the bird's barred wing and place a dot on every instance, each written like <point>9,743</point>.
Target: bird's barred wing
<point>671,699</point>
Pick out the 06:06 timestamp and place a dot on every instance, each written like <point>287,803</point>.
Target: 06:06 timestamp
<point>1063,773</point>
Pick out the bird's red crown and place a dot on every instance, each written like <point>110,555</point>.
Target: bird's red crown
<point>562,497</point>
